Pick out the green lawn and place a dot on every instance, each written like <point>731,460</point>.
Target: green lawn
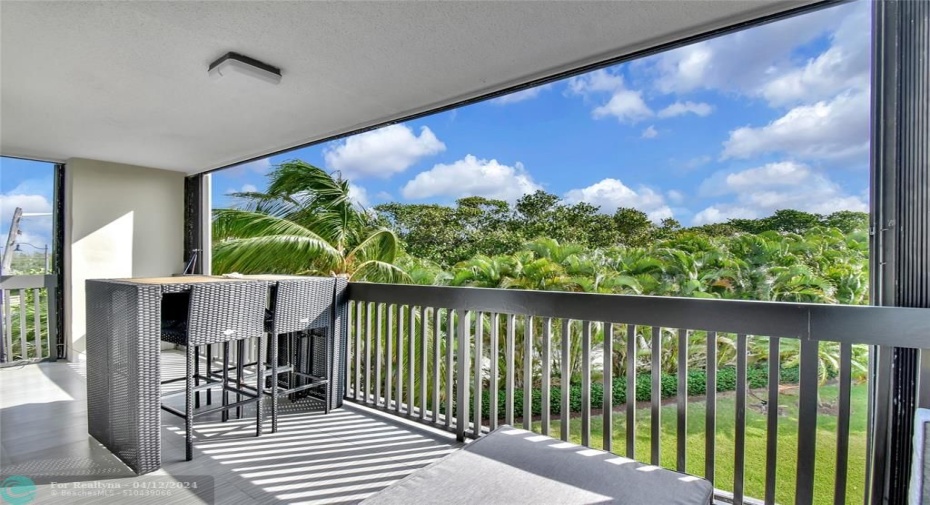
<point>755,443</point>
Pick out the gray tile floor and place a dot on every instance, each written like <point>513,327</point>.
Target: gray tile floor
<point>342,457</point>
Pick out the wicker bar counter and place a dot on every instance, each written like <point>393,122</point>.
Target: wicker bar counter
<point>123,360</point>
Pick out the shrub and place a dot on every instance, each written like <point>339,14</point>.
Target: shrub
<point>756,377</point>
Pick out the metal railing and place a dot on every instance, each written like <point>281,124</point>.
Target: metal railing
<point>28,325</point>
<point>437,354</point>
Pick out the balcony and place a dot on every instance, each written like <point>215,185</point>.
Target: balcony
<point>135,137</point>
<point>423,361</point>
<point>342,457</point>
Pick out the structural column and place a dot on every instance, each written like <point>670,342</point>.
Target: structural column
<point>901,229</point>
<point>197,222</point>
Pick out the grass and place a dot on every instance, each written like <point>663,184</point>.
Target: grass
<point>754,482</point>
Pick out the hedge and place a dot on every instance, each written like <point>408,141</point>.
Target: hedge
<point>757,377</point>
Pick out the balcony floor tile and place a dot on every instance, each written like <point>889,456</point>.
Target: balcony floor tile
<point>342,457</point>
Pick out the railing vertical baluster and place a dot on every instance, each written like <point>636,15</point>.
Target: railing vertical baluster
<point>565,379</point>
<point>682,459</point>
<point>450,366</point>
<point>842,424</point>
<point>656,396</point>
<point>510,362</point>
<point>399,385</point>
<point>51,307</point>
<point>436,368</point>
<point>807,422</point>
<point>462,381</point>
<point>37,322</point>
<point>379,335</point>
<point>494,386</point>
<point>608,428</point>
<point>352,362</point>
<point>528,373</point>
<point>631,391</point>
<point>4,347</point>
<point>23,347</point>
<point>739,465</point>
<point>771,414</point>
<point>546,393</point>
<point>479,372</point>
<point>369,308</point>
<point>389,357</point>
<point>424,373</point>
<point>586,384</point>
<point>710,421</point>
<point>411,359</point>
<point>7,326</point>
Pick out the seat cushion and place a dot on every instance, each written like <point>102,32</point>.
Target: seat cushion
<point>174,331</point>
<point>512,466</point>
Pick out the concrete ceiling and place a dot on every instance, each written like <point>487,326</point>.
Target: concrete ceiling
<point>127,81</point>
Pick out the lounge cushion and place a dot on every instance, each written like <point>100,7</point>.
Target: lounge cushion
<point>513,466</point>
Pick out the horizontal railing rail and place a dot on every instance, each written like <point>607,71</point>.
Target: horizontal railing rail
<point>739,392</point>
<point>29,318</point>
<point>896,326</point>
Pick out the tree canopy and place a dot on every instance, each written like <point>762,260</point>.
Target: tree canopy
<point>306,223</point>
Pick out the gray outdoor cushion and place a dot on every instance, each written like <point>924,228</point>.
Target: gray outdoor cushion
<point>512,466</point>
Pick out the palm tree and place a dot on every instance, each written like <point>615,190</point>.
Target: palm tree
<point>486,272</point>
<point>305,223</point>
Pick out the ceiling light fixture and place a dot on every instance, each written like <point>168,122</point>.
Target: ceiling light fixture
<point>235,63</point>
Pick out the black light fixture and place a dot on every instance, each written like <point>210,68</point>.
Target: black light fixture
<point>235,63</point>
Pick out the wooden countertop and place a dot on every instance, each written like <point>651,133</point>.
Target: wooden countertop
<point>197,279</point>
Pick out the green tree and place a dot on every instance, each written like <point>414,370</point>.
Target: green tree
<point>304,223</point>
<point>633,227</point>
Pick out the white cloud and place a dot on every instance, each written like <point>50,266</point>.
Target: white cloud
<point>759,62</point>
<point>36,230</point>
<point>472,176</point>
<point>845,65</point>
<point>650,133</point>
<point>829,130</point>
<point>611,194</point>
<point>358,194</point>
<point>680,108</point>
<point>246,188</point>
<point>382,152</point>
<point>625,104</point>
<point>760,191</point>
<point>520,96</point>
<point>675,196</point>
<point>599,80</point>
<point>260,167</point>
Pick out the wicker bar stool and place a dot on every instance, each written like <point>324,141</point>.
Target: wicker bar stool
<point>301,312</point>
<point>219,313</point>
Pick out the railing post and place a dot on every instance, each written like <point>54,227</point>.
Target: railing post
<point>461,375</point>
<point>901,225</point>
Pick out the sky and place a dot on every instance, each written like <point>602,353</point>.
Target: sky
<point>739,126</point>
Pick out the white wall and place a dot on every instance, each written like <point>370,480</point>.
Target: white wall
<point>120,221</point>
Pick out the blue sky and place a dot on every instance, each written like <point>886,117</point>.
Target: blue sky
<point>29,185</point>
<point>773,117</point>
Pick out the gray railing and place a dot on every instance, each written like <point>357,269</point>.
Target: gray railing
<point>29,318</point>
<point>437,354</point>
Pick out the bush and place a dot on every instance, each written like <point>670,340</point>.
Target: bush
<point>756,376</point>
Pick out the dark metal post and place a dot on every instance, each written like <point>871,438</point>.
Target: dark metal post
<point>56,322</point>
<point>901,226</point>
<point>193,220</point>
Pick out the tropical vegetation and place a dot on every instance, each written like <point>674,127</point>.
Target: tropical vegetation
<point>307,223</point>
